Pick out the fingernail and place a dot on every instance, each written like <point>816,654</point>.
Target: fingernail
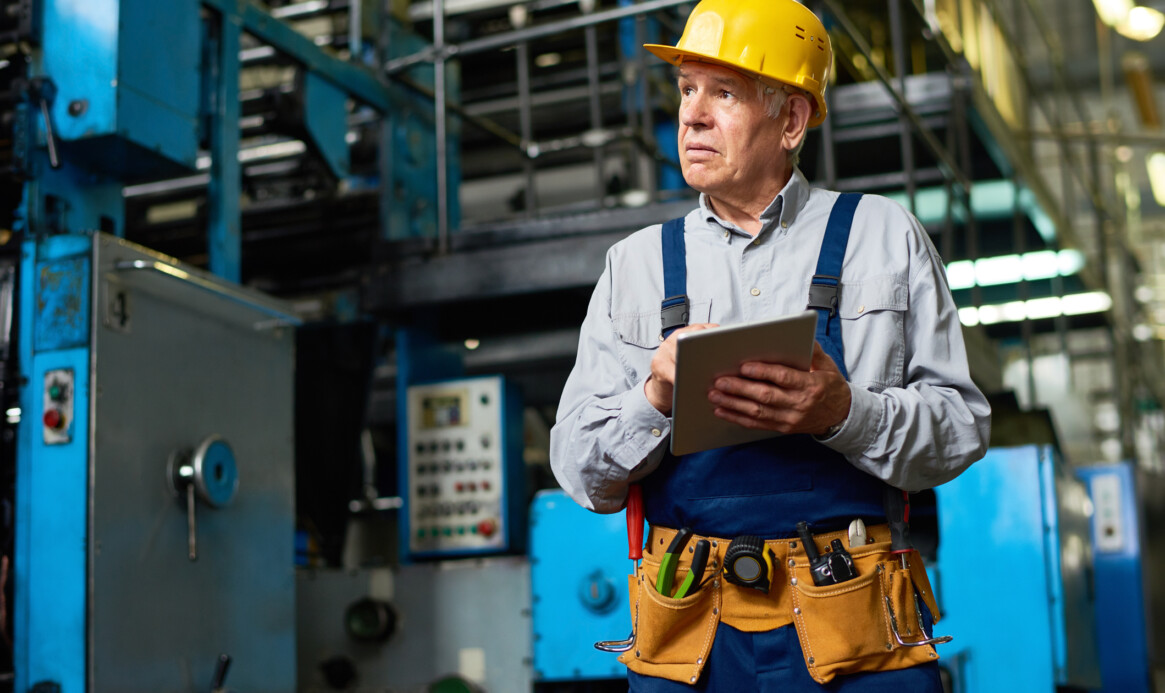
<point>748,369</point>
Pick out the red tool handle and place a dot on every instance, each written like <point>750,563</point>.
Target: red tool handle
<point>634,522</point>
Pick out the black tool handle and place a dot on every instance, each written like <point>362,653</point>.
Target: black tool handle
<point>700,561</point>
<point>897,505</point>
<point>807,540</point>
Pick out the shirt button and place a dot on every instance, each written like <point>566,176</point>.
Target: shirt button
<point>861,309</point>
<point>784,224</point>
<point>726,233</point>
<point>755,291</point>
<point>656,432</point>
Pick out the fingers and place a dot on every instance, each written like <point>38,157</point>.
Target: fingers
<point>661,381</point>
<point>821,360</point>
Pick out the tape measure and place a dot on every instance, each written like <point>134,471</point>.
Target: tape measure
<point>748,563</point>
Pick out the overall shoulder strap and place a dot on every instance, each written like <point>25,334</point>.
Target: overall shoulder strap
<point>673,311</point>
<point>826,285</point>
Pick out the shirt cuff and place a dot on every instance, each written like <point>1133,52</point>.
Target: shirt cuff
<point>861,426</point>
<point>644,427</point>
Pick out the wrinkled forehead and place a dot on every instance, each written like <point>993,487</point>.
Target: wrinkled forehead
<point>695,69</point>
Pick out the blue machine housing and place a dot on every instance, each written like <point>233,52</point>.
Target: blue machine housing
<point>578,576</point>
<point>127,75</point>
<point>1120,591</point>
<point>51,556</point>
<point>1014,575</point>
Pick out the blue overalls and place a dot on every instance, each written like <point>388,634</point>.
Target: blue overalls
<point>765,488</point>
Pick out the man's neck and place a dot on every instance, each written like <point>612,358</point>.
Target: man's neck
<point>746,212</point>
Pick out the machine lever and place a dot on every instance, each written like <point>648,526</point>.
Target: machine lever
<point>44,92</point>
<point>220,673</point>
<point>191,525</point>
<point>208,472</point>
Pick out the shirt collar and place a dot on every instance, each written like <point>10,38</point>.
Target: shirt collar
<point>781,212</point>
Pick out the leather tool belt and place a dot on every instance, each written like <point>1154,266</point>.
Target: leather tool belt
<point>864,624</point>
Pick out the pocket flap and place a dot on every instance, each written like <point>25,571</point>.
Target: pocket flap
<point>886,292</point>
<point>642,328</point>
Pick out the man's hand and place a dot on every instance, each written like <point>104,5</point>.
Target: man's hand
<point>662,380</point>
<point>779,398</point>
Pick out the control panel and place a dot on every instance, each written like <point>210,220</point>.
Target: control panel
<point>463,472</point>
<point>58,396</point>
<point>1108,504</point>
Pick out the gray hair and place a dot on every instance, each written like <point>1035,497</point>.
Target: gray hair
<point>774,101</point>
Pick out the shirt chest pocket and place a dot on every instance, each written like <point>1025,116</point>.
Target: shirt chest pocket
<point>873,314</point>
<point>642,328</point>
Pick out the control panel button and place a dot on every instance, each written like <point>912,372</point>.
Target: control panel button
<point>487,528</point>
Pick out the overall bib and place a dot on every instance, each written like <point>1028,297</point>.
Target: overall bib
<point>765,488</point>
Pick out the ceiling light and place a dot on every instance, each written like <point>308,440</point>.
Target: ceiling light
<point>1141,24</point>
<point>1113,12</point>
<point>548,59</point>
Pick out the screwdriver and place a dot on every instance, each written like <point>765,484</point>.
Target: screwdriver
<point>635,525</point>
<point>897,505</point>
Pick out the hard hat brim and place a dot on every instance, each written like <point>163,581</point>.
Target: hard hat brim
<point>675,56</point>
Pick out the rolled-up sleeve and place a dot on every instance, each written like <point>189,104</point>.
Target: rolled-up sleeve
<point>938,423</point>
<point>606,434</point>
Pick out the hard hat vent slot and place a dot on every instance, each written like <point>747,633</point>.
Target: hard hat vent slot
<point>799,36</point>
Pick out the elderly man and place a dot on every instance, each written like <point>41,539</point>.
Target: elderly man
<point>886,406</point>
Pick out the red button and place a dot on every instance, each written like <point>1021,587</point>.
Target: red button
<point>54,420</point>
<point>487,527</point>
<point>485,486</point>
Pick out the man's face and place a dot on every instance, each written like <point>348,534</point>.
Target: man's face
<point>729,147</point>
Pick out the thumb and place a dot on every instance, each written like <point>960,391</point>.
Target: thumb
<point>821,360</point>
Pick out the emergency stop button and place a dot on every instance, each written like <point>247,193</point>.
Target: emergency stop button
<point>53,420</point>
<point>487,528</point>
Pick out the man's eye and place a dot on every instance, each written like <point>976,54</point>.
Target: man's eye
<point>725,94</point>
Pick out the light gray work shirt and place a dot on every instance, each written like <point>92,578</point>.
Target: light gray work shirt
<point>916,419</point>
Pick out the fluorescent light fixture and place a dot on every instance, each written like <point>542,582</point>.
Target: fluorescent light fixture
<point>1091,302</point>
<point>1036,309</point>
<point>1141,24</point>
<point>1004,269</point>
<point>961,274</point>
<point>1009,269</point>
<point>1156,166</point>
<point>1113,12</point>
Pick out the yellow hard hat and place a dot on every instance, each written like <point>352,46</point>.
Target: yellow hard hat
<point>780,40</point>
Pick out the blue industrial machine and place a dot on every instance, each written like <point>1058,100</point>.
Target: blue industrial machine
<point>1015,575</point>
<point>1122,631</point>
<point>154,473</point>
<point>578,575</point>
<point>154,509</point>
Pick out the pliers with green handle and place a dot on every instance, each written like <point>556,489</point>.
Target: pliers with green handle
<point>691,583</point>
<point>667,566</point>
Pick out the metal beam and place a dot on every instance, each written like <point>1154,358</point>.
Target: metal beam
<point>360,82</point>
<point>510,38</point>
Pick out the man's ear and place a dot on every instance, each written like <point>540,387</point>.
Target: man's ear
<point>799,109</point>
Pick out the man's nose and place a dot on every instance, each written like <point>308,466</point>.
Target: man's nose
<point>694,111</point>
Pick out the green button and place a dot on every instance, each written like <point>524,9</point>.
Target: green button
<point>421,533</point>
<point>54,392</point>
<point>473,529</point>
<point>448,531</point>
<point>461,530</point>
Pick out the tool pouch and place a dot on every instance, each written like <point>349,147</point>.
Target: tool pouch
<point>850,627</point>
<point>672,636</point>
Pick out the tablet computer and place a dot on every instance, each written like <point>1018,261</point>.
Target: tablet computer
<point>703,356</point>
